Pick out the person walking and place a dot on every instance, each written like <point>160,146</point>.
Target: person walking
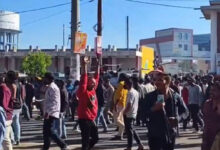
<point>29,87</point>
<point>6,102</point>
<point>120,97</point>
<point>108,96</point>
<point>101,105</point>
<point>211,114</point>
<point>88,106</point>
<point>130,114</point>
<point>162,109</point>
<point>60,124</point>
<point>51,113</point>
<point>195,102</point>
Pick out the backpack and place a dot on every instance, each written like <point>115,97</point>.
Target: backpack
<point>17,102</point>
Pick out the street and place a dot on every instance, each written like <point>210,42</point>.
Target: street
<point>31,138</point>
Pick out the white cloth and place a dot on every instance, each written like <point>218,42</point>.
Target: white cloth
<point>132,98</point>
<point>52,101</point>
<point>148,88</point>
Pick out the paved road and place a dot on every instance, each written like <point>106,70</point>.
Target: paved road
<point>32,138</point>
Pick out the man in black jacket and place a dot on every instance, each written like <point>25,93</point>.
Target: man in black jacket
<point>162,108</point>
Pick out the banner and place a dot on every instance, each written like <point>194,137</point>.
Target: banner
<point>98,45</point>
<point>80,42</point>
<point>147,60</point>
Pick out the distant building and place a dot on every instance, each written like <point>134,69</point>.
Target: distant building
<point>112,57</point>
<point>9,30</point>
<point>172,42</point>
<point>180,50</point>
<point>202,45</point>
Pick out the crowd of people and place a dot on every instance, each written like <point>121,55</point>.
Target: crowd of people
<point>160,103</point>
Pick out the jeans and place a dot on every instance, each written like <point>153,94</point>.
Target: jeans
<point>195,114</point>
<point>101,117</point>
<point>88,129</point>
<point>29,105</point>
<point>49,132</point>
<point>130,131</point>
<point>25,111</point>
<point>7,145</point>
<point>16,125</point>
<point>60,126</point>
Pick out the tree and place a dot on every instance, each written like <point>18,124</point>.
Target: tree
<point>36,64</point>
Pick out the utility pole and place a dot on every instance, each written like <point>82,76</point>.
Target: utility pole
<point>127,31</point>
<point>63,35</point>
<point>99,28</point>
<point>74,28</point>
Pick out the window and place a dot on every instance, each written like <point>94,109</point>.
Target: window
<point>185,47</point>
<point>186,36</point>
<point>180,46</point>
<point>180,36</point>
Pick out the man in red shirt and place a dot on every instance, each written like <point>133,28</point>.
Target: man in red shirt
<point>88,106</point>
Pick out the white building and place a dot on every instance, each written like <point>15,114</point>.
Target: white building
<point>173,42</point>
<point>9,30</point>
<point>177,49</point>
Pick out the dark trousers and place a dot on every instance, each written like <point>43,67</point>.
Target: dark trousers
<point>29,105</point>
<point>73,107</point>
<point>159,143</point>
<point>185,121</point>
<point>88,129</point>
<point>49,132</point>
<point>195,114</point>
<point>130,131</point>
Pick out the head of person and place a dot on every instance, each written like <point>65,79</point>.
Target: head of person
<point>141,81</point>
<point>161,80</point>
<point>147,78</point>
<point>210,78</point>
<point>2,79</point>
<point>76,83</point>
<point>107,81</point>
<point>91,83</point>
<point>128,83</point>
<point>11,77</point>
<point>191,81</point>
<point>48,78</point>
<point>122,77</point>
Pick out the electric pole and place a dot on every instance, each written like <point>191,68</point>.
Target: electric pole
<point>75,19</point>
<point>99,27</point>
<point>63,35</point>
<point>127,25</point>
<point>99,30</point>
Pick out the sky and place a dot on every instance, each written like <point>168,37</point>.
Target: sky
<point>45,28</point>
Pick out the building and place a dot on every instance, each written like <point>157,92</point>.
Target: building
<point>173,42</point>
<point>212,12</point>
<point>112,57</point>
<point>180,51</point>
<point>202,45</point>
<point>9,30</point>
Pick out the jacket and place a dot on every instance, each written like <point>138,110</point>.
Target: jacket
<point>157,121</point>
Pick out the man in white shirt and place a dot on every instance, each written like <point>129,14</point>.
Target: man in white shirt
<point>51,113</point>
<point>130,114</point>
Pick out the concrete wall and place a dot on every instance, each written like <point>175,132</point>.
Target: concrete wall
<point>127,63</point>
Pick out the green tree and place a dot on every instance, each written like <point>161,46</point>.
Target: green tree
<point>36,64</point>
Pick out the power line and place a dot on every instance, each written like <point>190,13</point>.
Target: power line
<point>44,18</point>
<point>37,9</point>
<point>159,4</point>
